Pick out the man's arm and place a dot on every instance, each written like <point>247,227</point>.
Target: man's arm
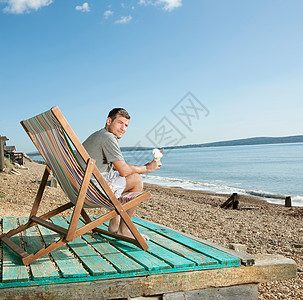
<point>126,169</point>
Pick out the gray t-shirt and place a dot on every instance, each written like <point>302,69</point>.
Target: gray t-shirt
<point>104,148</point>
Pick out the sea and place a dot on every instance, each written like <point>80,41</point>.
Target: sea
<point>270,171</point>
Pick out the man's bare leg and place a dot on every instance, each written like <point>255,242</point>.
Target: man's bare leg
<point>134,183</point>
<point>114,224</point>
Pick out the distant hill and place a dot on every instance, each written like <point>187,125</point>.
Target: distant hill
<point>253,141</point>
<point>247,141</point>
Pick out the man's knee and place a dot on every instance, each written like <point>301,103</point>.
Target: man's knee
<point>138,180</point>
<point>134,182</point>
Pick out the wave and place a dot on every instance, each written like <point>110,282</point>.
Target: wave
<point>265,194</point>
<point>218,187</point>
<point>186,184</point>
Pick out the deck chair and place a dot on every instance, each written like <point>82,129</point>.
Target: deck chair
<point>53,137</point>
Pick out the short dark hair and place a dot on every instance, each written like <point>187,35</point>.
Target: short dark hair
<point>118,111</point>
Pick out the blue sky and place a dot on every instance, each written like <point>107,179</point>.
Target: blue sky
<point>241,60</point>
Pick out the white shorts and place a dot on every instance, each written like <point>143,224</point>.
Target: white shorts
<point>115,181</point>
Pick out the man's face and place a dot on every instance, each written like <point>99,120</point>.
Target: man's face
<point>117,126</point>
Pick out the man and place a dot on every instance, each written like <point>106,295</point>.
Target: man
<point>122,177</point>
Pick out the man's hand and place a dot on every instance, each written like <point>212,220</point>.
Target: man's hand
<point>153,166</point>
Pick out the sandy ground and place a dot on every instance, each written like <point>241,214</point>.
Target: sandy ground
<point>267,228</point>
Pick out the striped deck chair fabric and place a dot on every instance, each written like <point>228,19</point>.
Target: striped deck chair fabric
<point>54,145</point>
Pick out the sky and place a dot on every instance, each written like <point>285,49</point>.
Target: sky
<point>187,71</point>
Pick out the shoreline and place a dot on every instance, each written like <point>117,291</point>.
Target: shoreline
<point>210,187</point>
<point>268,228</point>
<point>275,199</point>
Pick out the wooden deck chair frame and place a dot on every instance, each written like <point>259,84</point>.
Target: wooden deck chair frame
<point>73,232</point>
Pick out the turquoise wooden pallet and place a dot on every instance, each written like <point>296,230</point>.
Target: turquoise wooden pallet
<point>96,257</point>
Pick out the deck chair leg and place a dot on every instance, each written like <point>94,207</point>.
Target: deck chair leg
<point>85,216</point>
<point>80,201</point>
<point>56,211</point>
<point>40,192</point>
<point>43,251</point>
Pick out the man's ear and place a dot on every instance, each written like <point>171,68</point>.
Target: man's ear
<point>108,121</point>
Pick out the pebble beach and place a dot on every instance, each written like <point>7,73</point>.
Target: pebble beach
<point>261,226</point>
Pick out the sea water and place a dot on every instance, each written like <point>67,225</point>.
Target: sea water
<point>269,171</point>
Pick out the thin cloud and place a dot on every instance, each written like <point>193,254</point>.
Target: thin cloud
<point>84,7</point>
<point>24,6</point>
<point>108,13</point>
<point>123,5</point>
<point>124,20</point>
<point>168,5</point>
<point>171,4</point>
<point>143,2</point>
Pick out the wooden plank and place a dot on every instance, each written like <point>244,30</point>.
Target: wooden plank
<point>122,263</point>
<point>64,259</point>
<point>223,258</point>
<point>44,251</point>
<point>245,259</point>
<point>17,249</point>
<point>174,259</point>
<point>92,261</point>
<point>12,268</point>
<point>50,225</point>
<point>150,262</point>
<point>167,248</point>
<point>42,268</point>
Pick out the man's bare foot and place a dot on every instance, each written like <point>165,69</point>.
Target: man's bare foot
<point>112,230</point>
<point>128,234</point>
<point>114,224</point>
